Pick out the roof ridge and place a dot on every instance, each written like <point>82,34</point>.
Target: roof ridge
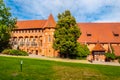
<point>98,23</point>
<point>31,20</point>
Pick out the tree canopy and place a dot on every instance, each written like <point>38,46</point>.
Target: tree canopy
<point>7,24</point>
<point>66,34</point>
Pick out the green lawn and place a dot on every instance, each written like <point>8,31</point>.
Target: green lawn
<point>35,69</point>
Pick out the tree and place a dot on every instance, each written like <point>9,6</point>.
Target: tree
<point>7,24</point>
<point>66,35</point>
<point>82,50</point>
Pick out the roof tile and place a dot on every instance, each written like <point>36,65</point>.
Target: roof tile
<point>30,24</point>
<point>50,22</point>
<point>102,32</point>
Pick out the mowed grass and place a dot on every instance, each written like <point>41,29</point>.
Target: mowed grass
<point>35,69</point>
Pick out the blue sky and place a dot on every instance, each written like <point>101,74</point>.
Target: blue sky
<point>82,10</point>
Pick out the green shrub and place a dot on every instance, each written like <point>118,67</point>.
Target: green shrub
<point>6,51</point>
<point>110,56</point>
<point>15,52</point>
<point>118,57</point>
<point>81,51</point>
<point>119,60</point>
<point>23,53</point>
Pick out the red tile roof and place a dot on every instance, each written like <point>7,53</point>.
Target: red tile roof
<point>102,32</point>
<point>30,24</point>
<point>98,47</point>
<point>50,22</point>
<point>116,50</point>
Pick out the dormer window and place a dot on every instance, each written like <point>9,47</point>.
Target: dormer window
<point>89,34</point>
<point>115,34</point>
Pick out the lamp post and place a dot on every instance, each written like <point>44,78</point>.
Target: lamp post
<point>21,62</point>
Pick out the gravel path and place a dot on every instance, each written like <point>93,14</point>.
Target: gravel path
<point>65,60</point>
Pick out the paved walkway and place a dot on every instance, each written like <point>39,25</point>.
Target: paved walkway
<point>106,63</point>
<point>65,60</point>
<point>58,59</point>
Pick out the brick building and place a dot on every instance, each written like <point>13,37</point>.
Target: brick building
<point>36,37</point>
<point>100,38</point>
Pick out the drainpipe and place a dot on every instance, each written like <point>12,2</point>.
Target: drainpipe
<point>109,46</point>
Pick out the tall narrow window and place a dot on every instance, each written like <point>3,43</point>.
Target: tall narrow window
<point>40,42</point>
<point>49,38</point>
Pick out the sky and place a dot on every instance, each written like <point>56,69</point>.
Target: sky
<point>82,10</point>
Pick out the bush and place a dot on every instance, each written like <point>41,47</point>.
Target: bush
<point>110,56</point>
<point>82,50</point>
<point>15,52</point>
<point>6,51</point>
<point>23,53</point>
<point>119,60</point>
<point>118,57</point>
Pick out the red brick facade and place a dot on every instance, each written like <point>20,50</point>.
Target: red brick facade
<point>35,36</point>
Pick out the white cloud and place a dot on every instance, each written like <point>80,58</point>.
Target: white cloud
<point>82,10</point>
<point>113,14</point>
<point>112,17</point>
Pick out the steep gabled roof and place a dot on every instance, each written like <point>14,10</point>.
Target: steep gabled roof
<point>50,22</point>
<point>102,32</point>
<point>98,47</point>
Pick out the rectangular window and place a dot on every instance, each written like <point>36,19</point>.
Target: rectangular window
<point>49,38</point>
<point>40,42</point>
<point>27,43</point>
<point>33,43</point>
<point>22,43</point>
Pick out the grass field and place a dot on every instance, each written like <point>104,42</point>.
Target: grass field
<point>35,69</point>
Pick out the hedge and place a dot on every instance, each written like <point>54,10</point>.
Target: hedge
<point>14,52</point>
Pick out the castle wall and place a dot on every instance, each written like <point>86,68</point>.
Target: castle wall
<point>34,41</point>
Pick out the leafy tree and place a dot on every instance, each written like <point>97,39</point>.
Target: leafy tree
<point>7,24</point>
<point>66,35</point>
